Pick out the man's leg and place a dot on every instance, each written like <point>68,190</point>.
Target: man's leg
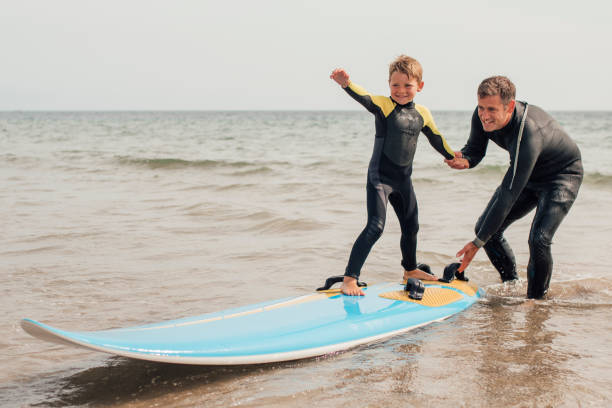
<point>497,248</point>
<point>553,206</point>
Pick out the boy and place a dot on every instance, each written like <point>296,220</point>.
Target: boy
<point>398,124</point>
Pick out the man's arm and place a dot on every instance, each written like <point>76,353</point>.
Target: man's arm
<point>505,197</point>
<point>474,149</point>
<point>511,187</point>
<point>476,145</point>
<point>468,252</point>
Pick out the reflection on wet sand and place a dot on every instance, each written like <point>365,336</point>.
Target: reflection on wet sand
<point>519,363</point>
<point>127,381</point>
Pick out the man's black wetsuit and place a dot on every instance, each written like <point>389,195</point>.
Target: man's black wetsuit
<point>545,173</point>
<point>397,130</point>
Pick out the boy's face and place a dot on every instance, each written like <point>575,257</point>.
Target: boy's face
<point>492,112</point>
<point>403,89</point>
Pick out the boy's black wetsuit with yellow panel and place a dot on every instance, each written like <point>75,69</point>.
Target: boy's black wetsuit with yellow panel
<point>545,173</point>
<point>397,130</point>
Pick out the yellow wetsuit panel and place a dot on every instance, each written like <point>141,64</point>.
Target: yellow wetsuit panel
<point>428,122</point>
<point>384,103</point>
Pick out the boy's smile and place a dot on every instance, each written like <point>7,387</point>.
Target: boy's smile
<point>403,89</point>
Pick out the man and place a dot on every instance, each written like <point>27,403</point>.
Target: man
<point>545,173</point>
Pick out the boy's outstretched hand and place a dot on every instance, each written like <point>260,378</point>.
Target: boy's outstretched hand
<point>340,76</point>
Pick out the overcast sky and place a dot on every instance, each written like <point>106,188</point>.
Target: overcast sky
<point>277,54</point>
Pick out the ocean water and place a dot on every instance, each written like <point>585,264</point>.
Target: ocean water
<point>112,219</point>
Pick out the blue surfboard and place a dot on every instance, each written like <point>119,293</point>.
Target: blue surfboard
<point>286,329</point>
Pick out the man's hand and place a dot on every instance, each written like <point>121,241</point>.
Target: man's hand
<point>458,163</point>
<point>468,252</point>
<point>340,76</point>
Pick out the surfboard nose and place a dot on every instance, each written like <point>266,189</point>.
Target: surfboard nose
<point>44,332</point>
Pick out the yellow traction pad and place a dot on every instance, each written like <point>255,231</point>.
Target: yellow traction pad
<point>432,297</point>
<point>463,286</point>
<point>331,292</point>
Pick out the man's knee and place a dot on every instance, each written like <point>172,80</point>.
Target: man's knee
<point>539,241</point>
<point>496,239</point>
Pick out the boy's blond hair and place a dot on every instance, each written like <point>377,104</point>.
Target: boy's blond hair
<point>407,65</point>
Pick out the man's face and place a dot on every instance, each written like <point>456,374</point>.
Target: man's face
<point>403,89</point>
<point>493,114</point>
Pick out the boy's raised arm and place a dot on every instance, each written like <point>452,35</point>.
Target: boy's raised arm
<point>374,104</point>
<point>341,77</point>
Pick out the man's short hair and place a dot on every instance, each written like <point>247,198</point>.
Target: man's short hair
<point>407,65</point>
<point>498,85</point>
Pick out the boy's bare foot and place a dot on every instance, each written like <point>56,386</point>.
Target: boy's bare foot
<point>419,274</point>
<point>349,287</point>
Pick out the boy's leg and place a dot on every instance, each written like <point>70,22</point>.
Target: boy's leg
<point>405,205</point>
<point>377,208</point>
<point>497,248</point>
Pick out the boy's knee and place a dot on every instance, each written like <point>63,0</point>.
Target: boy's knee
<point>374,229</point>
<point>414,229</point>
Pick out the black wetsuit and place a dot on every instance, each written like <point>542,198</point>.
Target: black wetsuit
<point>545,173</point>
<point>397,130</point>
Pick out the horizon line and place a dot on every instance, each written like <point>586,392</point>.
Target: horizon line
<point>245,110</point>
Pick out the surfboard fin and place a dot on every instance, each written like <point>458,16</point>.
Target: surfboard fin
<point>329,282</point>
